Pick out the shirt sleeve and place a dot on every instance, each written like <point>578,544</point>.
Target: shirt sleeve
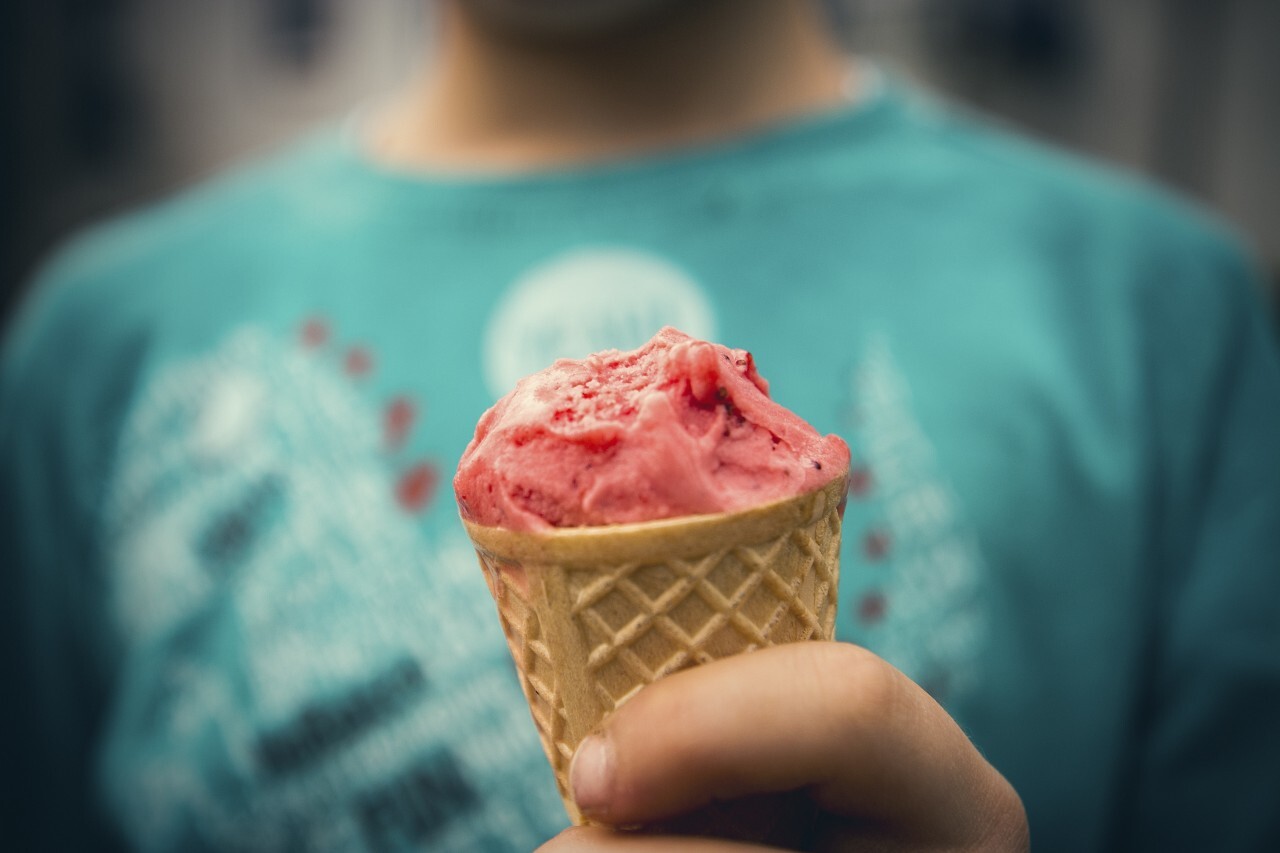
<point>222,629</point>
<point>1208,774</point>
<point>53,424</point>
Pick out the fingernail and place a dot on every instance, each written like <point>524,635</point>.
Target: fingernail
<point>591,775</point>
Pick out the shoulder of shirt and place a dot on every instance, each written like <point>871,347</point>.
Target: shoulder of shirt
<point>100,273</point>
<point>200,217</point>
<point>90,310</point>
<point>1173,269</point>
<point>1065,194</point>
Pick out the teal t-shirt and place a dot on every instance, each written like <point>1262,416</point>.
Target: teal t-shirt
<point>239,609</point>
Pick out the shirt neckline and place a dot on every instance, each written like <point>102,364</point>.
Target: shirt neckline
<point>878,98</point>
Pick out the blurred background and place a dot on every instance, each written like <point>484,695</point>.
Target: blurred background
<point>110,103</point>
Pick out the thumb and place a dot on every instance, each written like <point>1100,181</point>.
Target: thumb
<point>829,720</point>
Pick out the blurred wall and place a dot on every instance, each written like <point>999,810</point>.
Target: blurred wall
<point>111,102</point>
<point>1186,91</point>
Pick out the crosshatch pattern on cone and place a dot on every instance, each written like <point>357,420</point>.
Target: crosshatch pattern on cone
<point>592,615</point>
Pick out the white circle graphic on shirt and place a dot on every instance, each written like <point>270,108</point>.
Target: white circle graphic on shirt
<point>233,409</point>
<point>585,301</point>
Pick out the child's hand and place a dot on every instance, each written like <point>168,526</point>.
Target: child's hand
<point>882,763</point>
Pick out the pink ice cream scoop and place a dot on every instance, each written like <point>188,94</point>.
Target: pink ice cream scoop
<point>678,427</point>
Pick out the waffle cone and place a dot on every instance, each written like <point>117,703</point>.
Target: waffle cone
<point>593,614</point>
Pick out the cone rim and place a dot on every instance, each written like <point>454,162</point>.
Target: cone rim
<point>683,537</point>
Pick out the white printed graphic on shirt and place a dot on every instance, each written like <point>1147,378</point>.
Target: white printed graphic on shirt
<point>920,605</point>
<point>586,301</point>
<point>303,668</point>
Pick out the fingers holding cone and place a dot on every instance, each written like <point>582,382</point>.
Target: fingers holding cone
<point>874,753</point>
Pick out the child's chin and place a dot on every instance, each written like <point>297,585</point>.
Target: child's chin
<point>564,19</point>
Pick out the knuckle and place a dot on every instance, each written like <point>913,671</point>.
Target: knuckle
<point>655,703</point>
<point>1008,830</point>
<point>850,682</point>
<point>654,730</point>
<point>573,838</point>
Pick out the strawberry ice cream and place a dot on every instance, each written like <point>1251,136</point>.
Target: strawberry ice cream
<point>678,427</point>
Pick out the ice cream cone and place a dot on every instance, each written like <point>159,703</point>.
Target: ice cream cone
<point>593,614</point>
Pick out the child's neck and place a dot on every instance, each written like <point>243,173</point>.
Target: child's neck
<point>709,71</point>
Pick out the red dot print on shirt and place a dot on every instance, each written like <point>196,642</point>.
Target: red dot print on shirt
<point>859,481</point>
<point>397,420</point>
<point>872,607</point>
<point>875,544</point>
<point>357,362</point>
<point>416,486</point>
<point>314,333</point>
<point>413,487</point>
